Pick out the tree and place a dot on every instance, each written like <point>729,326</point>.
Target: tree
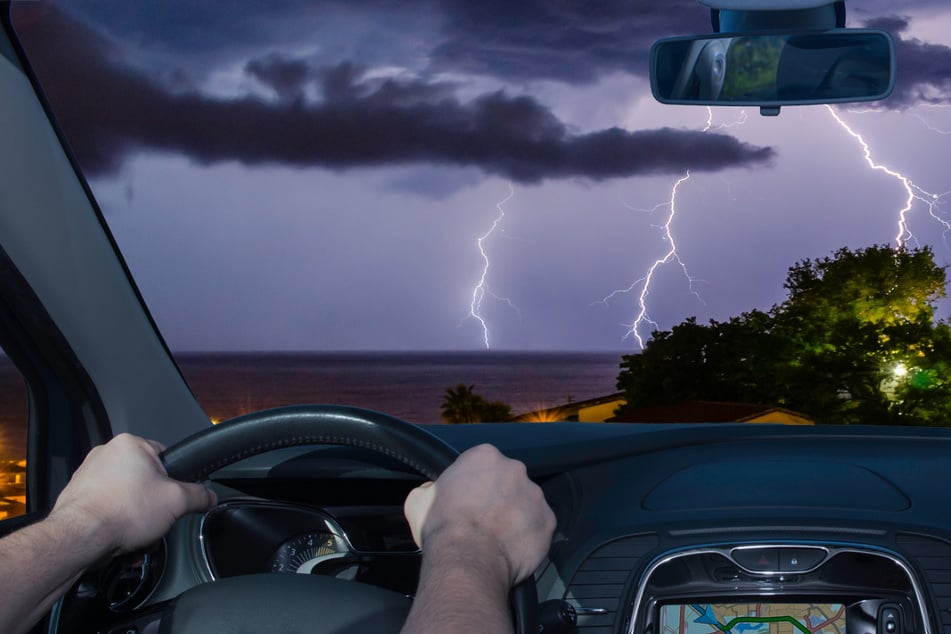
<point>854,341</point>
<point>878,286</point>
<point>858,323</point>
<point>722,361</point>
<point>496,412</point>
<point>462,405</point>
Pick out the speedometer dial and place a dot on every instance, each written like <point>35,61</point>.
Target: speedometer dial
<point>303,552</point>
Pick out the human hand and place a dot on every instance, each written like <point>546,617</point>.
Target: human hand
<point>484,501</point>
<point>122,491</point>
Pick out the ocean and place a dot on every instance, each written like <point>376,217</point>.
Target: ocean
<point>409,385</point>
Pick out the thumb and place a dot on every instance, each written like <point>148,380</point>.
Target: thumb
<point>416,508</point>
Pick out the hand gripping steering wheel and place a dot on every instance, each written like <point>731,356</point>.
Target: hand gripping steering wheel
<point>275,602</point>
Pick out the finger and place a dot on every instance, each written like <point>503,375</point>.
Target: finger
<point>156,445</point>
<point>154,448</point>
<point>416,508</point>
<point>197,497</point>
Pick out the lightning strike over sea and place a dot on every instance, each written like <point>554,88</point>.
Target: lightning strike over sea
<point>913,191</point>
<point>481,289</point>
<point>643,316</point>
<point>645,281</point>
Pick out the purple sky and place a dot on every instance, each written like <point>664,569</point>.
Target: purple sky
<point>318,179</point>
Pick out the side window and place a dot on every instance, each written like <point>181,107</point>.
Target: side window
<point>13,426</point>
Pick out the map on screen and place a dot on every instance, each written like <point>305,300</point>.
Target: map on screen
<point>753,618</point>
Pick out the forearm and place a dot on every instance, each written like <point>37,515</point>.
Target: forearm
<point>38,564</point>
<point>460,592</point>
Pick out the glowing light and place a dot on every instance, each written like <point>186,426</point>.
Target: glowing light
<point>900,370</point>
<point>480,290</point>
<point>913,191</point>
<point>545,415</point>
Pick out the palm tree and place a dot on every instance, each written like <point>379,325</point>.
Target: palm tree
<point>462,405</point>
<point>495,412</point>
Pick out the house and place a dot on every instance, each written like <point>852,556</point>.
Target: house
<point>614,409</point>
<point>709,412</point>
<point>594,410</point>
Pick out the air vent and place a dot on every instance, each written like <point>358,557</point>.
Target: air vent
<point>600,581</point>
<point>933,557</point>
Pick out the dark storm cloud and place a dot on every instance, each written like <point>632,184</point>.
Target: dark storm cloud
<point>924,69</point>
<point>109,110</point>
<point>435,183</point>
<point>572,40</point>
<point>567,40</point>
<point>286,77</point>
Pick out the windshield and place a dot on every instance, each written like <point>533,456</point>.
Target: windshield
<point>460,211</point>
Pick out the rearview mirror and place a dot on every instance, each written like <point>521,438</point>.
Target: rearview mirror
<point>774,69</point>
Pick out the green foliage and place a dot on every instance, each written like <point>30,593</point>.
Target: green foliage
<point>755,61</point>
<point>877,286</point>
<point>720,361</point>
<point>854,342</point>
<point>462,405</point>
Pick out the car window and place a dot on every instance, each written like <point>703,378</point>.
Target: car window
<point>451,213</point>
<point>13,434</point>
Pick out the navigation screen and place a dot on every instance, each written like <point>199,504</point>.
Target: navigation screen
<point>753,618</point>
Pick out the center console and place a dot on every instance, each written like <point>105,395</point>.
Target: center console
<point>796,588</point>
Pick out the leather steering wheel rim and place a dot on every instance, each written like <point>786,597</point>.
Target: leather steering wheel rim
<point>198,456</point>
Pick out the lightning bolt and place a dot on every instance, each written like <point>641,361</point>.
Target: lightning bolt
<point>481,289</point>
<point>740,120</point>
<point>645,282</point>
<point>928,124</point>
<point>643,317</point>
<point>913,192</point>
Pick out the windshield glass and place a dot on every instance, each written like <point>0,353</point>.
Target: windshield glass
<point>468,211</point>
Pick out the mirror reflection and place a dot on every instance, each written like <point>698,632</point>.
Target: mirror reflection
<point>774,68</point>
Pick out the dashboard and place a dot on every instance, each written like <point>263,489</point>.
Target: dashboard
<point>368,544</point>
<point>662,529</point>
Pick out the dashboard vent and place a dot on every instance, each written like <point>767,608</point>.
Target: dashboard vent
<point>601,579</point>
<point>933,557</point>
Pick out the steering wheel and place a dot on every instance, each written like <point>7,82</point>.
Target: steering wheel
<point>267,602</point>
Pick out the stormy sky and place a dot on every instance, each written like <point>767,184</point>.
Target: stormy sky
<point>317,175</point>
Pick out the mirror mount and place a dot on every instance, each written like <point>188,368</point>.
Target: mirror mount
<point>734,16</point>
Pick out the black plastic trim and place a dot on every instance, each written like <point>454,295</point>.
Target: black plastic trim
<point>7,22</point>
<point>59,388</point>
